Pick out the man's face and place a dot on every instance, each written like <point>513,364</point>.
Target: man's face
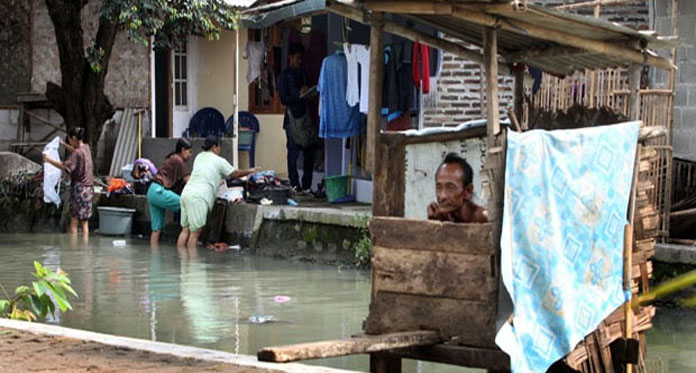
<point>186,154</point>
<point>450,189</point>
<point>296,60</point>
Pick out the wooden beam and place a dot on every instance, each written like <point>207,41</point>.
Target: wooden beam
<point>473,14</point>
<point>411,34</point>
<point>460,355</point>
<point>518,96</point>
<point>409,7</point>
<point>634,94</point>
<point>374,117</point>
<point>351,346</point>
<point>490,51</point>
<point>652,132</point>
<point>541,53</point>
<point>594,3</point>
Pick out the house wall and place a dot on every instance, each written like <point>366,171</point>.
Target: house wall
<point>15,49</point>
<point>127,81</point>
<point>216,89</point>
<point>684,126</point>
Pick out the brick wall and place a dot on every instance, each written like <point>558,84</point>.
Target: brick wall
<point>127,81</point>
<point>459,87</point>
<point>459,93</point>
<point>15,51</point>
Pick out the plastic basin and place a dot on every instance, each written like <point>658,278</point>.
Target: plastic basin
<point>115,221</point>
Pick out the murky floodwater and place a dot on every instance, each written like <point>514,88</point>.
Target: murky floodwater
<point>199,298</point>
<point>214,300</point>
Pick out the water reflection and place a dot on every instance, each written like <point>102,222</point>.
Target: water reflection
<point>205,299</point>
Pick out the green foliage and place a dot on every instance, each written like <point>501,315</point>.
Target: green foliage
<point>28,302</point>
<point>363,248</point>
<point>171,21</point>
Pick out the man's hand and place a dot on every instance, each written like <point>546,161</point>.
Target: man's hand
<point>433,211</point>
<point>45,157</point>
<point>303,89</point>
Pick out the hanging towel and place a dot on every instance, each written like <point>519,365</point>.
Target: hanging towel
<point>421,66</point>
<point>52,174</point>
<point>566,196</point>
<point>352,89</point>
<point>254,53</point>
<point>338,119</point>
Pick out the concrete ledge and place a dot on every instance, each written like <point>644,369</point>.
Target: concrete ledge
<point>670,253</point>
<point>319,215</point>
<point>163,348</point>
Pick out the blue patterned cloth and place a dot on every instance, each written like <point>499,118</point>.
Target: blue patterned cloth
<point>566,196</point>
<point>337,118</point>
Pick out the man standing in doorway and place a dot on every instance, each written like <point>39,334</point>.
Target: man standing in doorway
<point>292,85</point>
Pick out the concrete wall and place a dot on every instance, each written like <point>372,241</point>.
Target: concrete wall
<point>684,130</point>
<point>127,81</point>
<point>156,149</point>
<point>216,89</point>
<point>15,49</point>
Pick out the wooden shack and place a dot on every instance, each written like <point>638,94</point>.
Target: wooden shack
<point>435,285</point>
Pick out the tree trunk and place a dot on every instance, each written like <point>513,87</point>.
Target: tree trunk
<point>80,98</point>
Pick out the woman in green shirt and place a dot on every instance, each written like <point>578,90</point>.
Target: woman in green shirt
<point>198,196</point>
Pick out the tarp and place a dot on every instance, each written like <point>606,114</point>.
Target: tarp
<point>566,196</point>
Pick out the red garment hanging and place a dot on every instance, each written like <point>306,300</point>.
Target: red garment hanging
<point>420,66</point>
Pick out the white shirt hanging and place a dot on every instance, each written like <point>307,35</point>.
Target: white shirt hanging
<point>352,91</point>
<point>363,55</point>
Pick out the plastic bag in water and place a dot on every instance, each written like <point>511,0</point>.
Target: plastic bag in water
<point>52,174</point>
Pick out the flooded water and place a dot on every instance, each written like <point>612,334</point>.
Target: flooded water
<point>240,303</point>
<point>223,301</point>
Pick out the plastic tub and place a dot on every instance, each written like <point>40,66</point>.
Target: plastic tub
<point>115,221</point>
<point>336,188</point>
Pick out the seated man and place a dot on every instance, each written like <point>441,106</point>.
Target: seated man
<point>453,190</point>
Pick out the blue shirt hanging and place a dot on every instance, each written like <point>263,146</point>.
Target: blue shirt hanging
<point>338,119</point>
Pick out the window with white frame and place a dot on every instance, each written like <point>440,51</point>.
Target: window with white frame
<point>180,77</point>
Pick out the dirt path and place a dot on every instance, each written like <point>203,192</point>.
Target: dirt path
<point>26,352</point>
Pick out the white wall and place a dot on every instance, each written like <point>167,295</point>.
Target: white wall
<point>422,161</point>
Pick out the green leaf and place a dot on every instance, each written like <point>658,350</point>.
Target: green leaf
<point>22,291</point>
<point>4,304</point>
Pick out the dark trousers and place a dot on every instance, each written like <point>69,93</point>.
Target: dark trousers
<point>293,154</point>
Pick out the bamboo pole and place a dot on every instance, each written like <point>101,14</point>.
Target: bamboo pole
<point>473,14</point>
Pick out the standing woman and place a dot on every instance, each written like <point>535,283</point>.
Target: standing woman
<point>163,193</point>
<point>78,166</point>
<point>198,197</point>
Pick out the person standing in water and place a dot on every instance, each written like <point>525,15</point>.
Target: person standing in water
<point>163,193</point>
<point>198,197</point>
<point>78,166</point>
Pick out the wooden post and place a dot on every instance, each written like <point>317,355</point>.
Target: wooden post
<point>490,61</point>
<point>519,93</point>
<point>380,194</point>
<point>235,103</point>
<point>634,94</point>
<point>384,363</point>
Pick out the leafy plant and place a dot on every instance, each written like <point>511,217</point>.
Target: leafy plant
<point>363,248</point>
<point>50,289</point>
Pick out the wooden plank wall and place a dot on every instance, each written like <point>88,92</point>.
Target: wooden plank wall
<point>434,276</point>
